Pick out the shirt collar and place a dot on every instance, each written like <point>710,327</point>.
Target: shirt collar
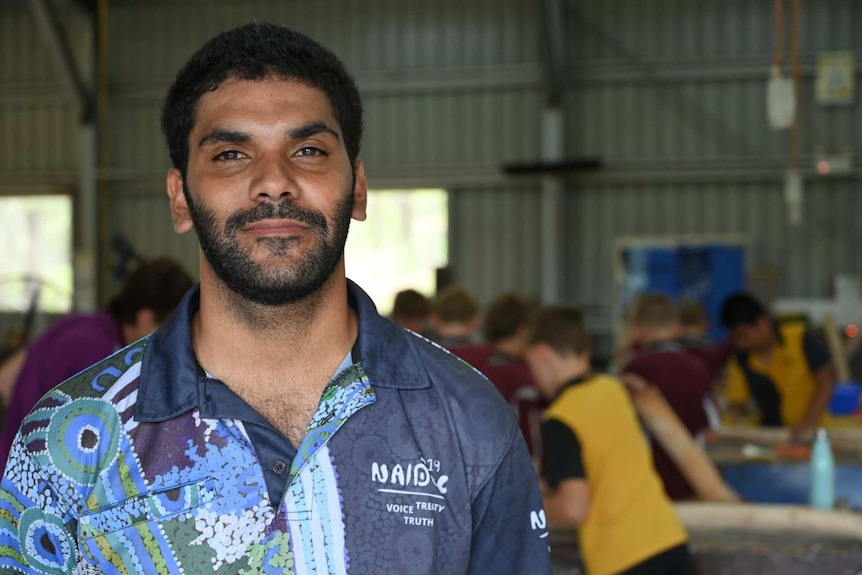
<point>170,372</point>
<point>573,383</point>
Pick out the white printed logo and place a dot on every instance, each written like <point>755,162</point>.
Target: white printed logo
<point>414,475</point>
<point>539,522</point>
<point>537,519</point>
<point>419,481</point>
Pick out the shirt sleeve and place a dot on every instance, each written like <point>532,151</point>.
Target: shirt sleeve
<point>815,350</point>
<point>561,453</point>
<point>510,532</point>
<point>737,385</point>
<point>37,534</point>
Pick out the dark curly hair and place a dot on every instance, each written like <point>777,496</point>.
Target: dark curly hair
<point>741,309</point>
<point>253,52</point>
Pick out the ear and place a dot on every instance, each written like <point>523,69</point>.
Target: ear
<point>360,192</point>
<point>179,206</point>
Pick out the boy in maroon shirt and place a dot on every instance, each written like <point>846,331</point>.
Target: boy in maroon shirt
<point>682,373</point>
<point>502,361</point>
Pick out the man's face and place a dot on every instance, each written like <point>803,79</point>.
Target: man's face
<point>757,336</point>
<point>269,188</point>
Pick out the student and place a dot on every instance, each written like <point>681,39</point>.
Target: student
<point>411,310</point>
<point>455,317</point>
<point>786,369</point>
<point>277,423</point>
<point>693,323</point>
<point>684,379</point>
<point>501,360</point>
<point>598,472</point>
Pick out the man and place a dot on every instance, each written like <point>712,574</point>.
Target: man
<point>277,424</point>
<point>145,300</point>
<point>786,369</point>
<point>455,317</point>
<point>683,377</point>
<point>597,466</point>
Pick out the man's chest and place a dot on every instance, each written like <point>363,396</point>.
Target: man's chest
<point>289,412</point>
<point>362,500</point>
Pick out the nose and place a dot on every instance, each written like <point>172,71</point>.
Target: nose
<point>273,179</point>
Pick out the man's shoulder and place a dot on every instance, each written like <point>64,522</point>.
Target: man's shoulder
<point>465,393</point>
<point>446,370</point>
<point>473,354</point>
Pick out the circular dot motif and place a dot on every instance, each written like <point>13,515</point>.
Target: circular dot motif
<point>46,543</point>
<point>83,437</point>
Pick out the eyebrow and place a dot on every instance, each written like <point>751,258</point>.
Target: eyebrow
<point>312,129</point>
<point>220,136</point>
<point>223,136</point>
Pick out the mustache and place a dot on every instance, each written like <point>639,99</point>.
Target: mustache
<point>283,209</point>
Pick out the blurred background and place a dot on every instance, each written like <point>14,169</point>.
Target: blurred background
<point>555,141</point>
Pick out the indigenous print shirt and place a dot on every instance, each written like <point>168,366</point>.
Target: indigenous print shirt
<point>412,464</point>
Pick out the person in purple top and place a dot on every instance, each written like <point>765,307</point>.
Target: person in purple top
<point>145,300</point>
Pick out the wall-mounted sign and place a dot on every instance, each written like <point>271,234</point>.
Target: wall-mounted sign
<point>836,78</point>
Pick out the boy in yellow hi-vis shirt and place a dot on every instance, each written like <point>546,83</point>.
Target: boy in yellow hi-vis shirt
<point>598,471</point>
<point>785,368</point>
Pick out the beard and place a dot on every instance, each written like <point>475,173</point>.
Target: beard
<point>280,284</point>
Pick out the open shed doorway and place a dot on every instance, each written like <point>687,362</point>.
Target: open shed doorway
<point>401,245</point>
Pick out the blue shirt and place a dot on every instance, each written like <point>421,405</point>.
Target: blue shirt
<point>412,464</point>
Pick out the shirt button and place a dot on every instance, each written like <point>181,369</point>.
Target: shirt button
<point>279,466</point>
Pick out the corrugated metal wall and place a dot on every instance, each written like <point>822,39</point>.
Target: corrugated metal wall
<point>668,93</point>
<point>451,91</point>
<point>494,232</point>
<point>38,119</point>
<point>671,95</point>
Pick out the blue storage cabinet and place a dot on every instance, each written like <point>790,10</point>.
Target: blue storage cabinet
<point>702,273</point>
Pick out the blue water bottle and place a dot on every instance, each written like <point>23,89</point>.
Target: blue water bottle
<point>822,469</point>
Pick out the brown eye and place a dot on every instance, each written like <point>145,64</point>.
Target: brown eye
<point>310,151</point>
<point>229,155</point>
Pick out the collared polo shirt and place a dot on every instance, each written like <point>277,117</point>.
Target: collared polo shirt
<point>685,381</point>
<point>784,387</point>
<point>412,464</point>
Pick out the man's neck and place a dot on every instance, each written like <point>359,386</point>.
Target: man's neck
<point>234,336</point>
